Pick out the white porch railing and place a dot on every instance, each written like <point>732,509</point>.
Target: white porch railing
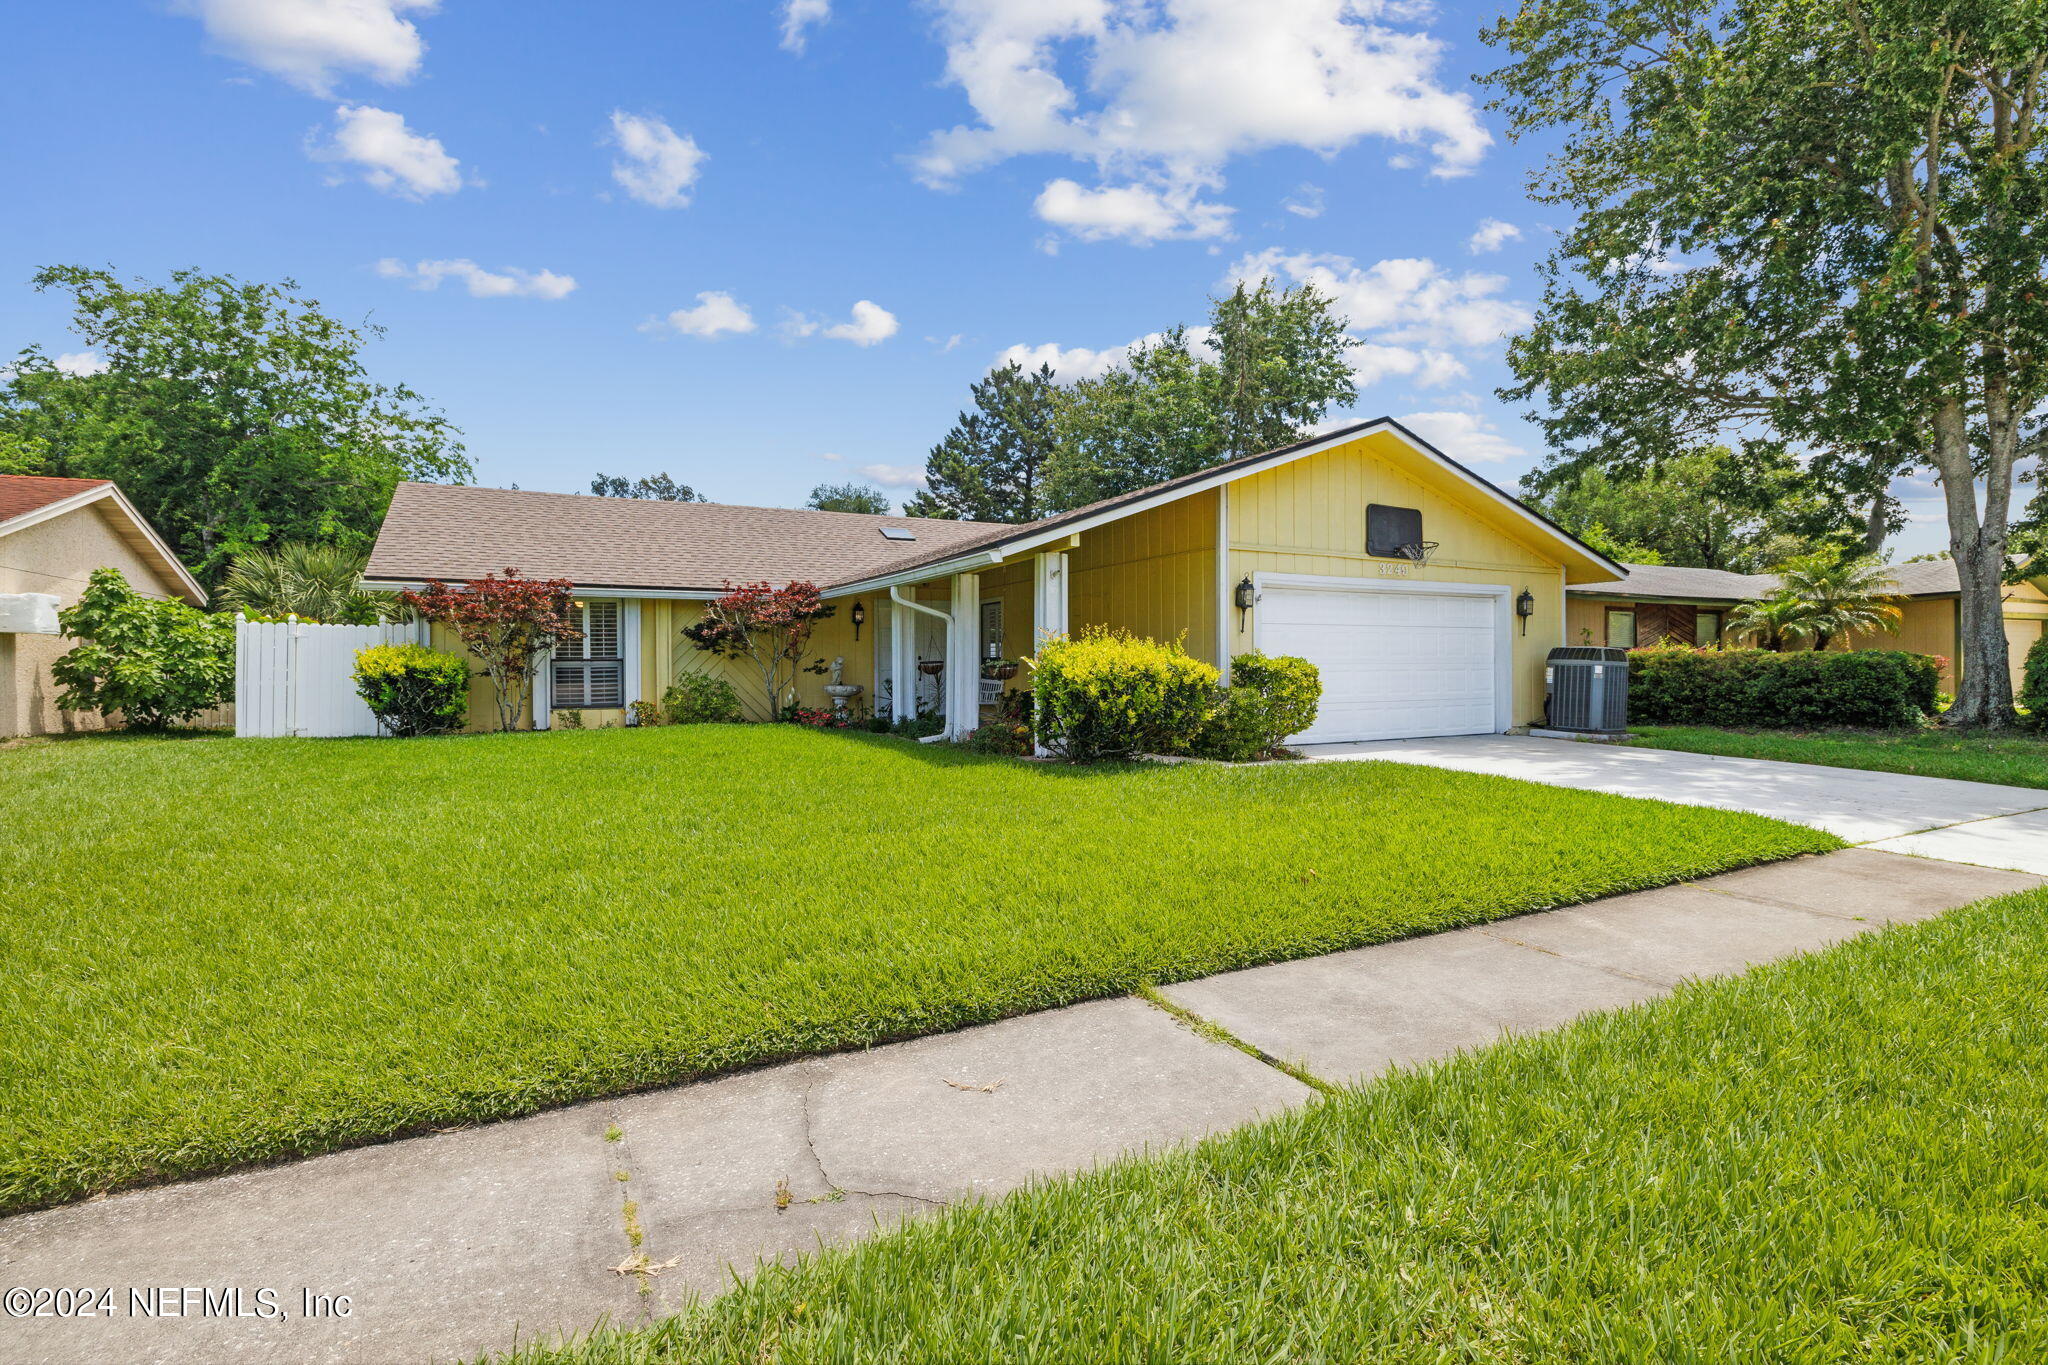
<point>296,679</point>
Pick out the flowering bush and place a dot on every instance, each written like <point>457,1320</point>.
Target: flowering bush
<point>1005,737</point>
<point>508,623</point>
<point>413,690</point>
<point>769,626</point>
<point>816,718</point>
<point>1108,693</point>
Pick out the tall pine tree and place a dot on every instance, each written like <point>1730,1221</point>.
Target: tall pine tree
<point>992,465</point>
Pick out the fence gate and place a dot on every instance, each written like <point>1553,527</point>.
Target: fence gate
<point>297,679</point>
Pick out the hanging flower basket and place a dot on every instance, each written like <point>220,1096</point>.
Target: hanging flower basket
<point>930,667</point>
<point>999,670</point>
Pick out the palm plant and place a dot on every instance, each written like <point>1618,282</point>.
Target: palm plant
<point>1842,596</point>
<point>320,583</point>
<point>1777,623</point>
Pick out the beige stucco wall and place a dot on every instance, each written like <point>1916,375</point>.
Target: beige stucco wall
<point>57,556</point>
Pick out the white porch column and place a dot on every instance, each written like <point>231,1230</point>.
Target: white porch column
<point>629,654</point>
<point>1048,605</point>
<point>902,662</point>
<point>544,691</point>
<point>1049,599</point>
<point>963,657</point>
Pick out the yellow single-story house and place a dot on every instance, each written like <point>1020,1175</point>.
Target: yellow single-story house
<point>53,533</point>
<point>1427,596</point>
<point>1661,602</point>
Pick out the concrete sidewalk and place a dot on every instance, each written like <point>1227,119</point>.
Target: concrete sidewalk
<point>1934,817</point>
<point>449,1245</point>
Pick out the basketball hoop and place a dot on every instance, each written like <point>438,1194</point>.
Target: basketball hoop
<point>1421,551</point>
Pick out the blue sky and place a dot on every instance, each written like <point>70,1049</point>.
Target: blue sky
<point>764,245</point>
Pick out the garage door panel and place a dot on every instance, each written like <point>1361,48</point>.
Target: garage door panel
<point>1394,664</point>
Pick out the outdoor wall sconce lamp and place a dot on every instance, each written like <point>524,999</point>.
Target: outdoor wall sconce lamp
<point>1525,607</point>
<point>1246,595</point>
<point>860,616</point>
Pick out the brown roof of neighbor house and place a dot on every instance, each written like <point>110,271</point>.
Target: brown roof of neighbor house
<point>21,494</point>
<point>454,532</point>
<point>1923,578</point>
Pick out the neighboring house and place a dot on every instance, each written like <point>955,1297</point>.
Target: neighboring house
<point>53,534</point>
<point>1692,606</point>
<point>1310,535</point>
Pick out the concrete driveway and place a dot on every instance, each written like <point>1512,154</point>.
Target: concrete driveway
<point>1933,817</point>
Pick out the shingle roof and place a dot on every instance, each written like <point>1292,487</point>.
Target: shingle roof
<point>1926,577</point>
<point>21,494</point>
<point>455,532</point>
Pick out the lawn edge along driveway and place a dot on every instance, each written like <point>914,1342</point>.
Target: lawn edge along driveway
<point>2018,759</point>
<point>226,952</point>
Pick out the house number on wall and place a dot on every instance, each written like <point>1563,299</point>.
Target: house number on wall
<point>1394,570</point>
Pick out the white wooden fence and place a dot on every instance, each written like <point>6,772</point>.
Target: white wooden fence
<point>298,679</point>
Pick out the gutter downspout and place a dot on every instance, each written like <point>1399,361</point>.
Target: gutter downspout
<point>896,596</point>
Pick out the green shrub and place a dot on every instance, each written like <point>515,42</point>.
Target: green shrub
<point>2034,683</point>
<point>1106,694</point>
<point>701,699</point>
<point>413,690</point>
<point>1268,699</point>
<point>1752,688</point>
<point>152,660</point>
<point>1004,737</point>
<point>919,726</point>
<point>644,713</point>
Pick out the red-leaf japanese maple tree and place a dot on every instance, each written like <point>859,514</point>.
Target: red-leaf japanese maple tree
<point>767,625</point>
<point>508,623</point>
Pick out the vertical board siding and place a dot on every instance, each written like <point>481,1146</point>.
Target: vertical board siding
<point>294,679</point>
<point>1152,574</point>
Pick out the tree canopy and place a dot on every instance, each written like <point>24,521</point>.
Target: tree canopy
<point>1264,371</point>
<point>1705,510</point>
<point>849,497</point>
<point>658,487</point>
<point>234,415</point>
<point>1811,227</point>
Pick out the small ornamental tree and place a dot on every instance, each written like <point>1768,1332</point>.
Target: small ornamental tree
<point>768,626</point>
<point>508,623</point>
<point>152,660</point>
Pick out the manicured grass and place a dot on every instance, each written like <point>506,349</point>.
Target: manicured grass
<point>2012,760</point>
<point>1834,1158</point>
<point>221,951</point>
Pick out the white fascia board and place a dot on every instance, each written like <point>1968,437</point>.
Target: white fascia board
<point>924,573</point>
<point>187,584</point>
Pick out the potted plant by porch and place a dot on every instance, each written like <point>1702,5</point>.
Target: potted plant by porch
<point>999,670</point>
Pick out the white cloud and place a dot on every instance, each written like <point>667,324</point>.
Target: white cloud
<point>1464,436</point>
<point>80,363</point>
<point>1070,363</point>
<point>1133,213</point>
<point>870,325</point>
<point>392,157</point>
<point>1408,301</point>
<point>1164,94</point>
<point>511,282</point>
<point>311,42</point>
<point>1372,361</point>
<point>1306,202</point>
<point>1491,236</point>
<point>799,15</point>
<point>717,312</point>
<point>829,455</point>
<point>895,475</point>
<point>659,164</point>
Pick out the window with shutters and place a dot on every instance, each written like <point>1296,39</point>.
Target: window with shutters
<point>590,672</point>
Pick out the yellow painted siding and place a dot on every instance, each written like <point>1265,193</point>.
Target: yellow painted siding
<point>1152,574</point>
<point>1308,517</point>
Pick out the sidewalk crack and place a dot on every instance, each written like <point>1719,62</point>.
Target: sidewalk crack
<point>1576,962</point>
<point>1208,1029</point>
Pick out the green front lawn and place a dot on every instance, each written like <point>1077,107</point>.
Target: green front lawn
<point>1835,1158</point>
<point>221,951</point>
<point>2012,760</point>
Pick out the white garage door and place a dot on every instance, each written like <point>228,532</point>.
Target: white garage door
<point>1395,664</point>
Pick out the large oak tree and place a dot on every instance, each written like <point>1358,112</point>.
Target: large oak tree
<point>1807,225</point>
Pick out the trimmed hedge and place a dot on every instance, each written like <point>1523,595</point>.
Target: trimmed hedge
<point>701,699</point>
<point>413,690</point>
<point>1269,698</point>
<point>1870,689</point>
<point>2034,683</point>
<point>1110,694</point>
